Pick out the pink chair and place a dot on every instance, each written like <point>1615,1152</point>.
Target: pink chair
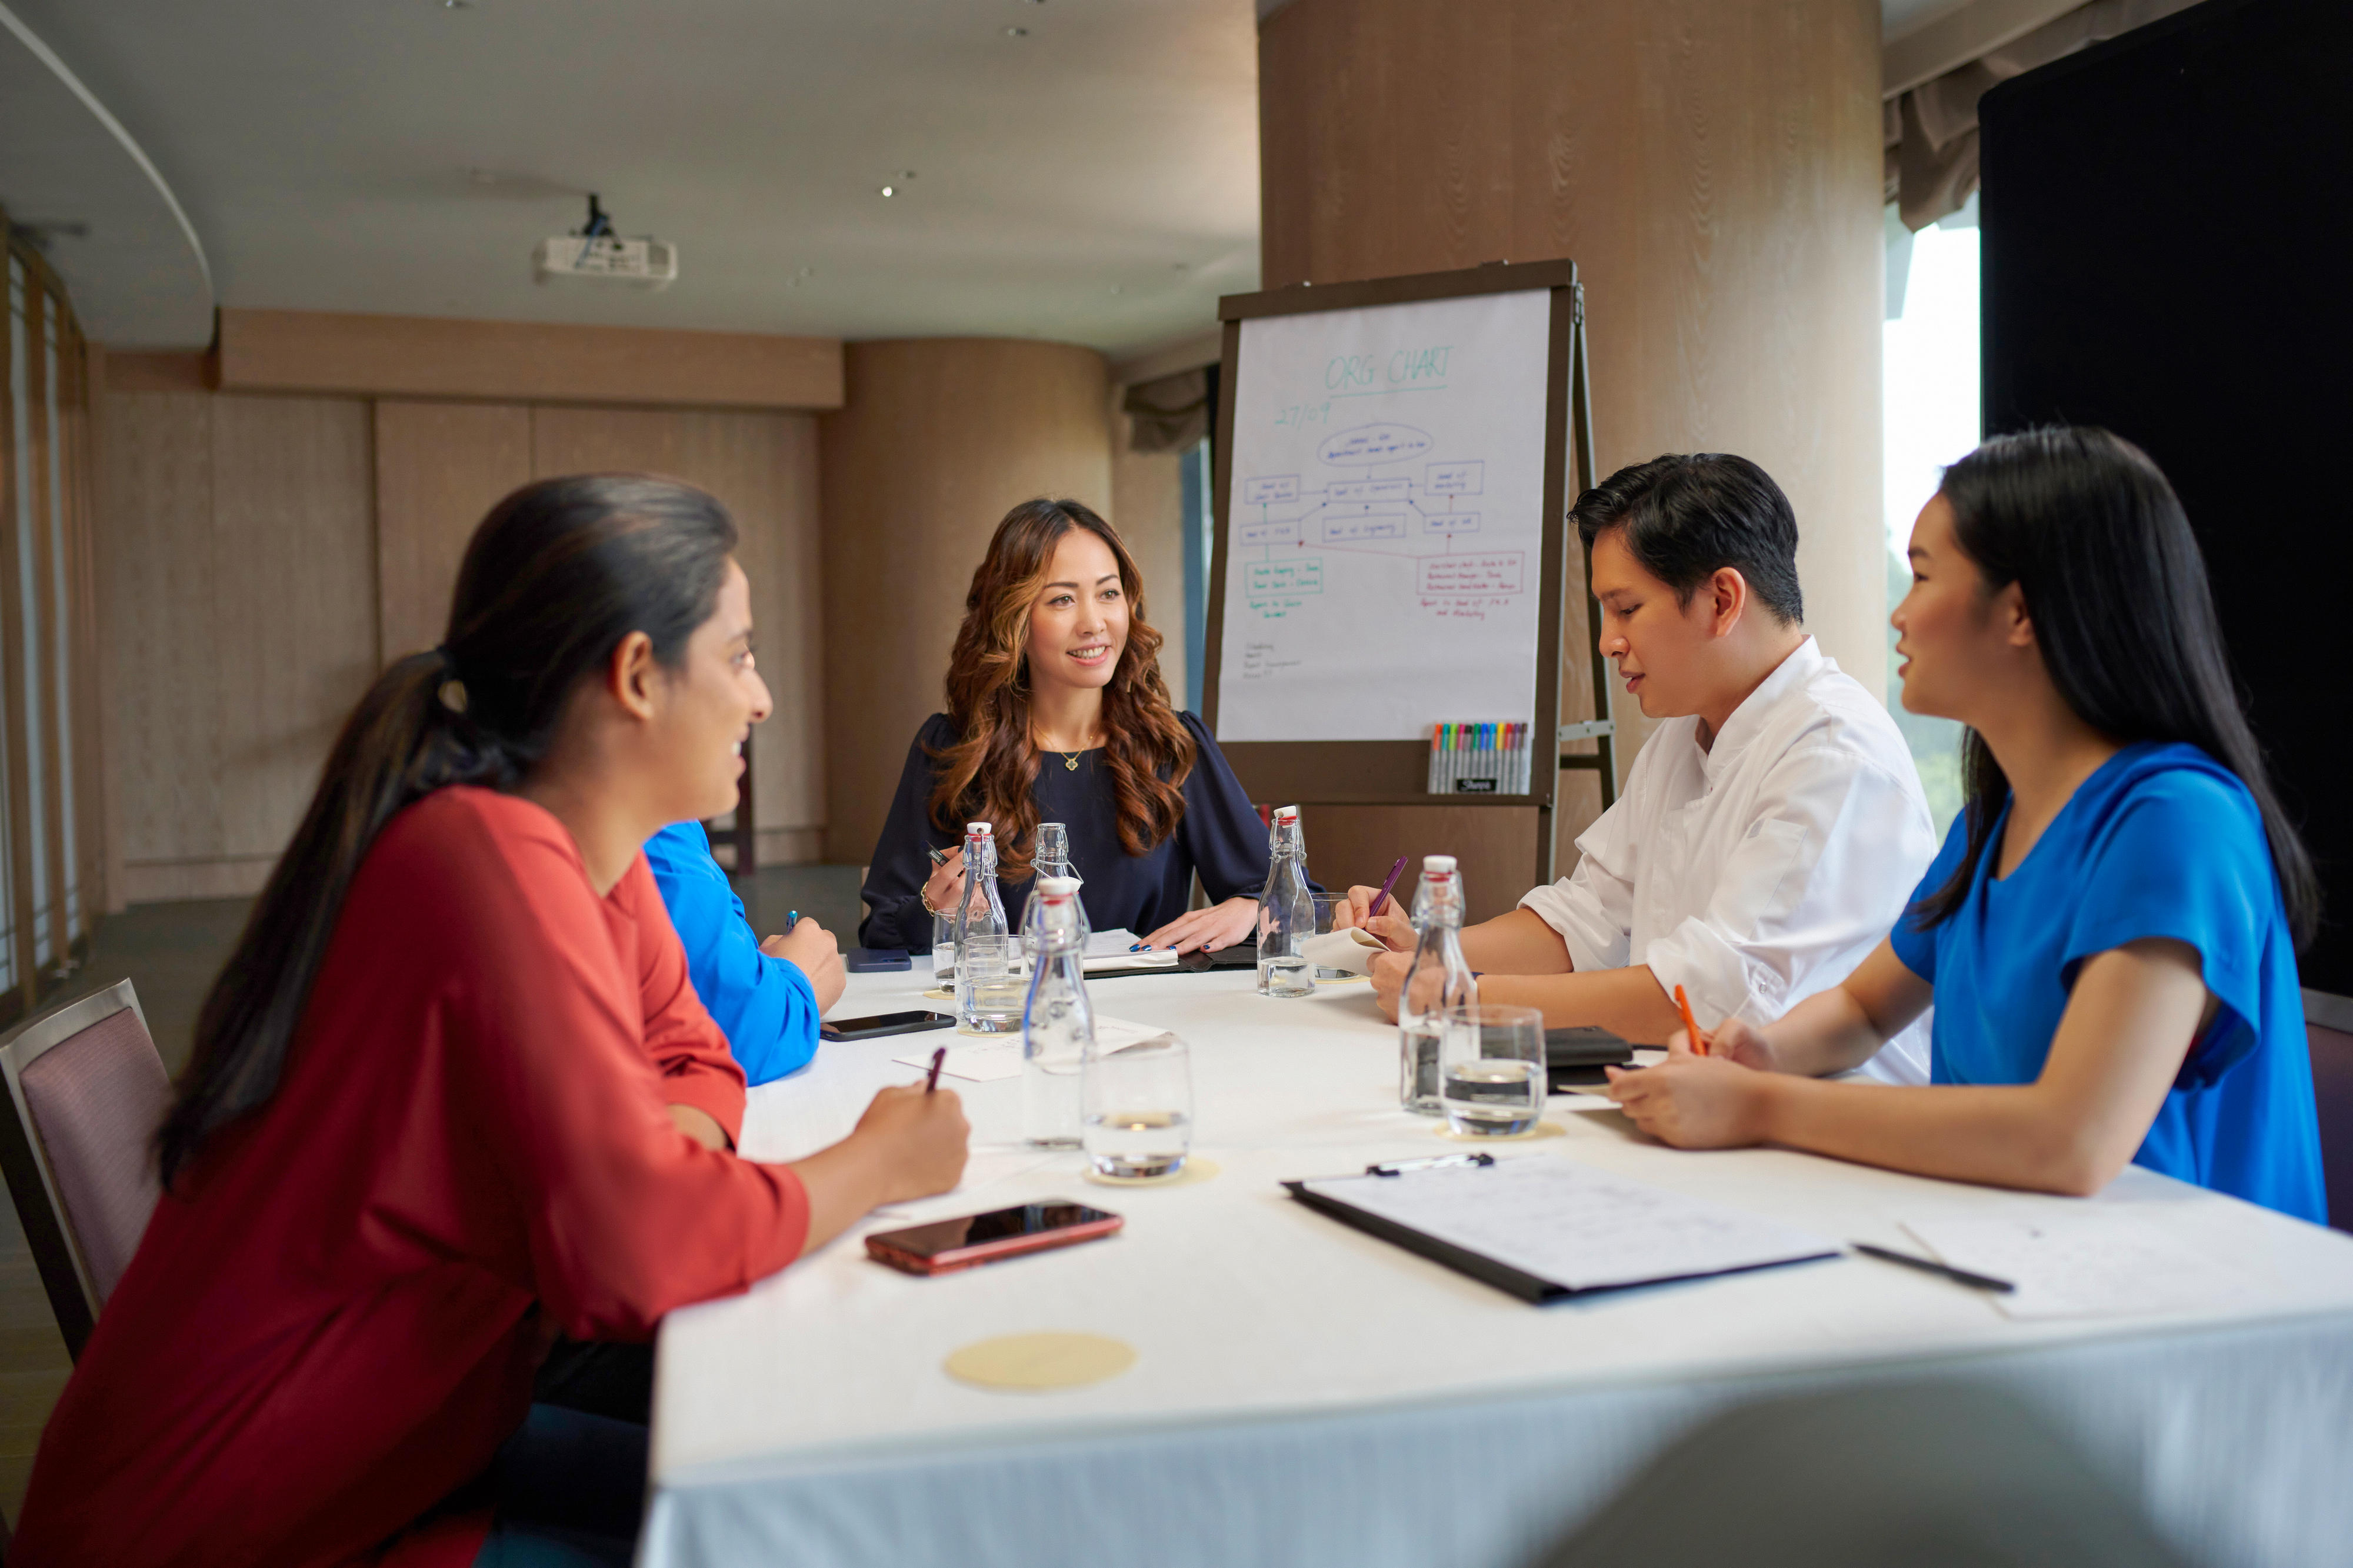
<point>89,1092</point>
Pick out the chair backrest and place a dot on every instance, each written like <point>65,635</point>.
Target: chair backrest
<point>2332,1088</point>
<point>89,1092</point>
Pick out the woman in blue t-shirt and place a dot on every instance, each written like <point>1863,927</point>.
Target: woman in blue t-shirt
<point>2109,934</point>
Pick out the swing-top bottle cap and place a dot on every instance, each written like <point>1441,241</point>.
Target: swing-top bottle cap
<point>1056,886</point>
<point>979,830</point>
<point>1432,865</point>
<point>1286,813</point>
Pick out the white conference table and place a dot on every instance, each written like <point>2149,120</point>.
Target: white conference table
<point>1307,1395</point>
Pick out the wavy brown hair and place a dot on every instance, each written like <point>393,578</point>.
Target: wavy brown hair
<point>986,776</point>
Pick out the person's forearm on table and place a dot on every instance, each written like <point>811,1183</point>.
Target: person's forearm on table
<point>1626,1001</point>
<point>1515,944</point>
<point>1829,1032</point>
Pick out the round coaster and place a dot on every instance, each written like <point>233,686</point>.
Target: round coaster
<point>1541,1129</point>
<point>1345,979</point>
<point>1035,1363</point>
<point>939,994</point>
<point>1194,1171</point>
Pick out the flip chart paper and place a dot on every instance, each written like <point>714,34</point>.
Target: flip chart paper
<point>1385,528</point>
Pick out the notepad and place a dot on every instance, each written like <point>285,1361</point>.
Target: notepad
<point>1543,1228</point>
<point>2094,1262</point>
<point>1351,948</point>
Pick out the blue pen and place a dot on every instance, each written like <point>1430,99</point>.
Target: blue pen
<point>792,919</point>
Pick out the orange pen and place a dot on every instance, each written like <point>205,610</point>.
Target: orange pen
<point>1691,1025</point>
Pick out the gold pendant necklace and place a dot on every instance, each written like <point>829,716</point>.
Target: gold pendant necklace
<point>1070,759</point>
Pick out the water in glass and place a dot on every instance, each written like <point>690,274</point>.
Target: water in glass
<point>1139,1107</point>
<point>1491,1070</point>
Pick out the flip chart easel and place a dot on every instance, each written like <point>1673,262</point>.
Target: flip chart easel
<point>1391,490</point>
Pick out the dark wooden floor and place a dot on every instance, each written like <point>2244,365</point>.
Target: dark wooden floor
<point>171,952</point>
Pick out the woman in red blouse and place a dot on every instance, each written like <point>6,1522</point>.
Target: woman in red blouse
<point>453,1094</point>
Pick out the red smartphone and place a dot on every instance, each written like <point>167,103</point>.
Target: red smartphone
<point>945,1246</point>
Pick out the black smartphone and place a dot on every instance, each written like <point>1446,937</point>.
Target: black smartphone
<point>876,960</point>
<point>945,1246</point>
<point>884,1024</point>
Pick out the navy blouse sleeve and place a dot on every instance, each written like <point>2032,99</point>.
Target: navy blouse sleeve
<point>1221,833</point>
<point>894,894</point>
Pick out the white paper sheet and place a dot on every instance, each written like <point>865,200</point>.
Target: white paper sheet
<point>1579,1228</point>
<point>2099,1262</point>
<point>1353,950</point>
<point>1385,528</point>
<point>985,1061</point>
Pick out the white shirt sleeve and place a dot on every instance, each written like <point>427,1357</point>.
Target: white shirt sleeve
<point>1831,853</point>
<point>1592,908</point>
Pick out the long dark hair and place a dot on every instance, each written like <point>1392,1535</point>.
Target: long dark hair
<point>987,773</point>
<point>556,576</point>
<point>2095,537</point>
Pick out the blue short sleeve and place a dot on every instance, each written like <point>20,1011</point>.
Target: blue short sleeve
<point>2185,857</point>
<point>763,1005</point>
<point>1916,947</point>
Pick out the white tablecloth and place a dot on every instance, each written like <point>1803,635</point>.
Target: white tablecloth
<point>1306,1395</point>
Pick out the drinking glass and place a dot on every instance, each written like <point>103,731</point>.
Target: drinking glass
<point>1324,902</point>
<point>991,990</point>
<point>943,949</point>
<point>1491,1070</point>
<point>1138,1101</point>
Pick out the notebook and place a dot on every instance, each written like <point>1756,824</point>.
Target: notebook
<point>1543,1228</point>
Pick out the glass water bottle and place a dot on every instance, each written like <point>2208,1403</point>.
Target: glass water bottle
<point>1437,952</point>
<point>1053,859</point>
<point>1286,914</point>
<point>988,972</point>
<point>1057,1026</point>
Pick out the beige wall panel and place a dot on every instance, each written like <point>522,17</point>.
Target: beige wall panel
<point>158,618</point>
<point>1352,845</point>
<point>1147,507</point>
<point>1712,165</point>
<point>523,361</point>
<point>439,466</point>
<point>764,467</point>
<point>294,589</point>
<point>938,439</point>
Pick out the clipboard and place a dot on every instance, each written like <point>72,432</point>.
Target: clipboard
<point>1544,1228</point>
<point>1461,1259</point>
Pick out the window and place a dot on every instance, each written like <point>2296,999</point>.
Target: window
<point>1930,383</point>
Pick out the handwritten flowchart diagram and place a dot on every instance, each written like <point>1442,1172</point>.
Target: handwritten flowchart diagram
<point>1383,519</point>
<point>1394,501</point>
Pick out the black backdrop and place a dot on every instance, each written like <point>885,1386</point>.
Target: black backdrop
<point>2169,252</point>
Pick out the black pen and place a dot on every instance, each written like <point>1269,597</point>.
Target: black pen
<point>1930,1265</point>
<point>1399,1167</point>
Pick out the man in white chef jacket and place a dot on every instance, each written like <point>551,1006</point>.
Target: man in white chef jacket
<point>1773,827</point>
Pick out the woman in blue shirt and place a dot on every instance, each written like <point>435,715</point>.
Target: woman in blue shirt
<point>765,996</point>
<point>2109,934</point>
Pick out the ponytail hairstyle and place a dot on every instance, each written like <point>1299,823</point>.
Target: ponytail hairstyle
<point>985,774</point>
<point>556,576</point>
<point>2087,527</point>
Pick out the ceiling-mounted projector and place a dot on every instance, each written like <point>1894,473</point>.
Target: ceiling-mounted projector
<point>596,252</point>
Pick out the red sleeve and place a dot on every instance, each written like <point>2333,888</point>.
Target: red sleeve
<point>626,1217</point>
<point>687,1047</point>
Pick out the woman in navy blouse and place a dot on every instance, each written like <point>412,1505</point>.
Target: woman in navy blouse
<point>1057,713</point>
<point>2109,934</point>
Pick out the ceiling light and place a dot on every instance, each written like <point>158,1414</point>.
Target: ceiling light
<point>890,191</point>
<point>1017,32</point>
<point>457,4</point>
